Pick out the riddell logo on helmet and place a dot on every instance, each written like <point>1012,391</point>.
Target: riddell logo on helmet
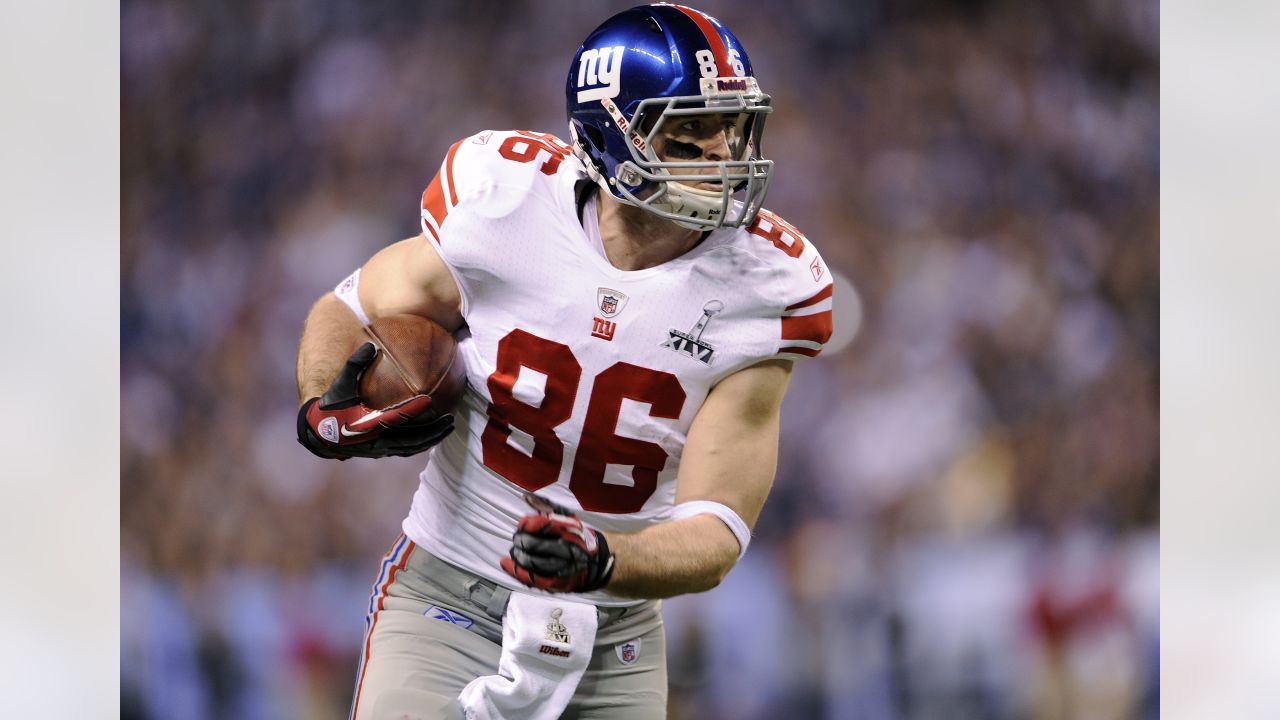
<point>746,86</point>
<point>623,125</point>
<point>616,114</point>
<point>599,66</point>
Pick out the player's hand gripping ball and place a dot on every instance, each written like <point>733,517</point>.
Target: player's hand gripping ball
<point>339,425</point>
<point>416,356</point>
<point>554,550</point>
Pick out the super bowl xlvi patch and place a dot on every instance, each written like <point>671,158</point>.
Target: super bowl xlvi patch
<point>435,612</point>
<point>329,429</point>
<point>691,343</point>
<point>628,652</point>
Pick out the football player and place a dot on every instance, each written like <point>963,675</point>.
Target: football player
<point>629,315</point>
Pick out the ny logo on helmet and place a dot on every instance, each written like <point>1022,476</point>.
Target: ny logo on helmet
<point>599,66</point>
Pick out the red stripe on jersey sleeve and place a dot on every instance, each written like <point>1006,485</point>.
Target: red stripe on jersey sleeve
<point>448,169</point>
<point>713,39</point>
<point>434,205</point>
<point>822,294</point>
<point>814,328</point>
<point>434,235</point>
<point>809,352</point>
<point>434,201</point>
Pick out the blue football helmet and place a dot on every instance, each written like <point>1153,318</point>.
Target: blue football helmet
<point>640,77</point>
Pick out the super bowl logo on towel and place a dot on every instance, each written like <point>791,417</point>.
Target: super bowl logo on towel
<point>556,631</point>
<point>691,343</point>
<point>628,652</point>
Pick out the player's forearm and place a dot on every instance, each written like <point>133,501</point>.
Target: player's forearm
<point>327,336</point>
<point>674,558</point>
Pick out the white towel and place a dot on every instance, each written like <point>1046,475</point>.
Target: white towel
<point>546,645</point>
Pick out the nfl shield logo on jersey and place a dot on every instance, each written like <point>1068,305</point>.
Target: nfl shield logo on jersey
<point>628,652</point>
<point>610,301</point>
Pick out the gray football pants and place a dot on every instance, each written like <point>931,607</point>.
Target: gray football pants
<point>433,627</point>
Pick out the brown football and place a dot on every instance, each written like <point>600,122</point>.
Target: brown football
<point>415,356</point>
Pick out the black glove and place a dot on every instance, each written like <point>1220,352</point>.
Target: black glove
<point>339,425</point>
<point>555,551</point>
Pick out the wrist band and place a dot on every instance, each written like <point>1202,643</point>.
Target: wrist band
<point>724,512</point>
<point>348,291</point>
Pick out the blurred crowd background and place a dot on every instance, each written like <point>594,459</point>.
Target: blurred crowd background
<point>965,519</point>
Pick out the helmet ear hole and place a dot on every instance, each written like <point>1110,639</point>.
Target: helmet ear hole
<point>595,137</point>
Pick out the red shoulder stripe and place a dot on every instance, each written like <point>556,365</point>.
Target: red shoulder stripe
<point>814,328</point>
<point>434,235</point>
<point>810,352</point>
<point>822,294</point>
<point>713,39</point>
<point>448,169</point>
<point>434,203</point>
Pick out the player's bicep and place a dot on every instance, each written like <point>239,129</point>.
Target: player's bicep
<point>732,450</point>
<point>410,277</point>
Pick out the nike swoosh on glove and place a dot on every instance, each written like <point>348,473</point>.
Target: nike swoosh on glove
<point>338,425</point>
<point>554,550</point>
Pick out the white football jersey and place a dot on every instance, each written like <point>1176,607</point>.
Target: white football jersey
<point>583,378</point>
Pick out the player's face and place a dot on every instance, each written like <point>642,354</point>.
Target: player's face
<point>711,137</point>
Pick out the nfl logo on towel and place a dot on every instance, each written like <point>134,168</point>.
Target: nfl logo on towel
<point>629,652</point>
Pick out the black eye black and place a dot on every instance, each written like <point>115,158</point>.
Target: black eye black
<point>682,150</point>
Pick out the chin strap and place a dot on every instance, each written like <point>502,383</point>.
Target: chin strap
<point>689,202</point>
